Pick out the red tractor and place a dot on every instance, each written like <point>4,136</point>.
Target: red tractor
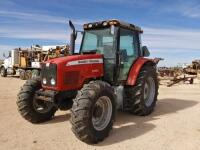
<point>110,72</point>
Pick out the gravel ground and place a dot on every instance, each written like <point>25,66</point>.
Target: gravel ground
<point>174,125</point>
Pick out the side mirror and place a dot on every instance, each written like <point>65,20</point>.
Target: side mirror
<point>145,51</point>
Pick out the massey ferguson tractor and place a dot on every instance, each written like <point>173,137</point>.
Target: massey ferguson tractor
<point>111,72</point>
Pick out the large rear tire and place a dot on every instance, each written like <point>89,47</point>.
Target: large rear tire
<point>35,74</point>
<point>93,112</point>
<point>28,74</point>
<point>32,109</point>
<point>3,72</point>
<point>22,74</point>
<point>141,98</point>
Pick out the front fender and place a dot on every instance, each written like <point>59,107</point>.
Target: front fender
<point>2,65</point>
<point>135,69</point>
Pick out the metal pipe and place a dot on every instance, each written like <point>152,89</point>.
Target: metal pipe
<point>72,37</point>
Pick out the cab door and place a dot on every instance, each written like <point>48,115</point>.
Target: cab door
<point>129,47</point>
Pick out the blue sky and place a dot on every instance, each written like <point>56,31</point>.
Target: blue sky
<point>171,27</point>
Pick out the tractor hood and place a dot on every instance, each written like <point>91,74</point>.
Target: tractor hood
<point>71,72</point>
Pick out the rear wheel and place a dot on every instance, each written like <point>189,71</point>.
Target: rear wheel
<point>22,74</point>
<point>141,98</point>
<point>35,74</point>
<point>198,74</point>
<point>31,108</point>
<point>93,112</point>
<point>3,72</point>
<point>28,74</point>
<point>191,81</point>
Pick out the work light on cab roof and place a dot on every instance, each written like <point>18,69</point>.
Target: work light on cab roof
<point>109,23</point>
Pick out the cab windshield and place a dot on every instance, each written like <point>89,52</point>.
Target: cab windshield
<point>98,41</point>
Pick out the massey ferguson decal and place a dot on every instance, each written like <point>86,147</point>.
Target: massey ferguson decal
<point>85,61</point>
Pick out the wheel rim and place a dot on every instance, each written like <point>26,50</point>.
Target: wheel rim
<point>149,91</point>
<point>41,106</point>
<point>22,75</point>
<point>28,74</point>
<point>2,72</point>
<point>34,75</point>
<point>102,113</point>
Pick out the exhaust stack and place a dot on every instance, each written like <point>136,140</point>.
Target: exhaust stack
<point>72,37</point>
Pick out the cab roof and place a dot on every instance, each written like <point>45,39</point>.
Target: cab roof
<point>107,23</point>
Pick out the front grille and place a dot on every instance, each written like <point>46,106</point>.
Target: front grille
<point>49,72</point>
<point>71,77</point>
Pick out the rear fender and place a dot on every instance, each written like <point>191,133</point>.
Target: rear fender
<point>135,69</point>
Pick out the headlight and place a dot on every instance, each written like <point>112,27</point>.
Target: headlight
<point>44,81</point>
<point>53,82</point>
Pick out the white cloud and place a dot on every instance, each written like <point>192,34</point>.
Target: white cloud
<point>173,39</point>
<point>59,35</point>
<point>133,3</point>
<point>190,9</point>
<point>192,12</point>
<point>39,17</point>
<point>175,45</point>
<point>29,33</point>
<point>36,26</point>
<point>154,38</point>
<point>6,47</point>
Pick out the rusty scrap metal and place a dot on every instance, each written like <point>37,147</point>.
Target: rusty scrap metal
<point>193,68</point>
<point>181,79</point>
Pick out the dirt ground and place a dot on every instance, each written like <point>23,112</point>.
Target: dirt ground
<point>174,125</point>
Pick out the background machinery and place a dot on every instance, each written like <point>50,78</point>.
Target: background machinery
<point>110,72</point>
<point>27,61</point>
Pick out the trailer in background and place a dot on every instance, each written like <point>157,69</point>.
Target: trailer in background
<point>27,62</point>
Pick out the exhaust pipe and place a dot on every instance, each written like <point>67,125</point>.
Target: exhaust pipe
<point>72,37</point>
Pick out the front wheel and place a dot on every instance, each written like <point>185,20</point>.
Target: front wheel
<point>93,112</point>
<point>31,108</point>
<point>3,72</point>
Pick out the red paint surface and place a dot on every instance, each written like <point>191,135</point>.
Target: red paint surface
<point>136,69</point>
<point>87,71</point>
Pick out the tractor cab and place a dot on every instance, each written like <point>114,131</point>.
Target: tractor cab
<point>118,42</point>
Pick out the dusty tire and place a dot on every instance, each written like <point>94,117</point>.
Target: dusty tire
<point>3,72</point>
<point>85,112</point>
<point>28,74</point>
<point>26,104</point>
<point>138,100</point>
<point>35,74</point>
<point>198,74</point>
<point>22,74</point>
<point>191,81</point>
